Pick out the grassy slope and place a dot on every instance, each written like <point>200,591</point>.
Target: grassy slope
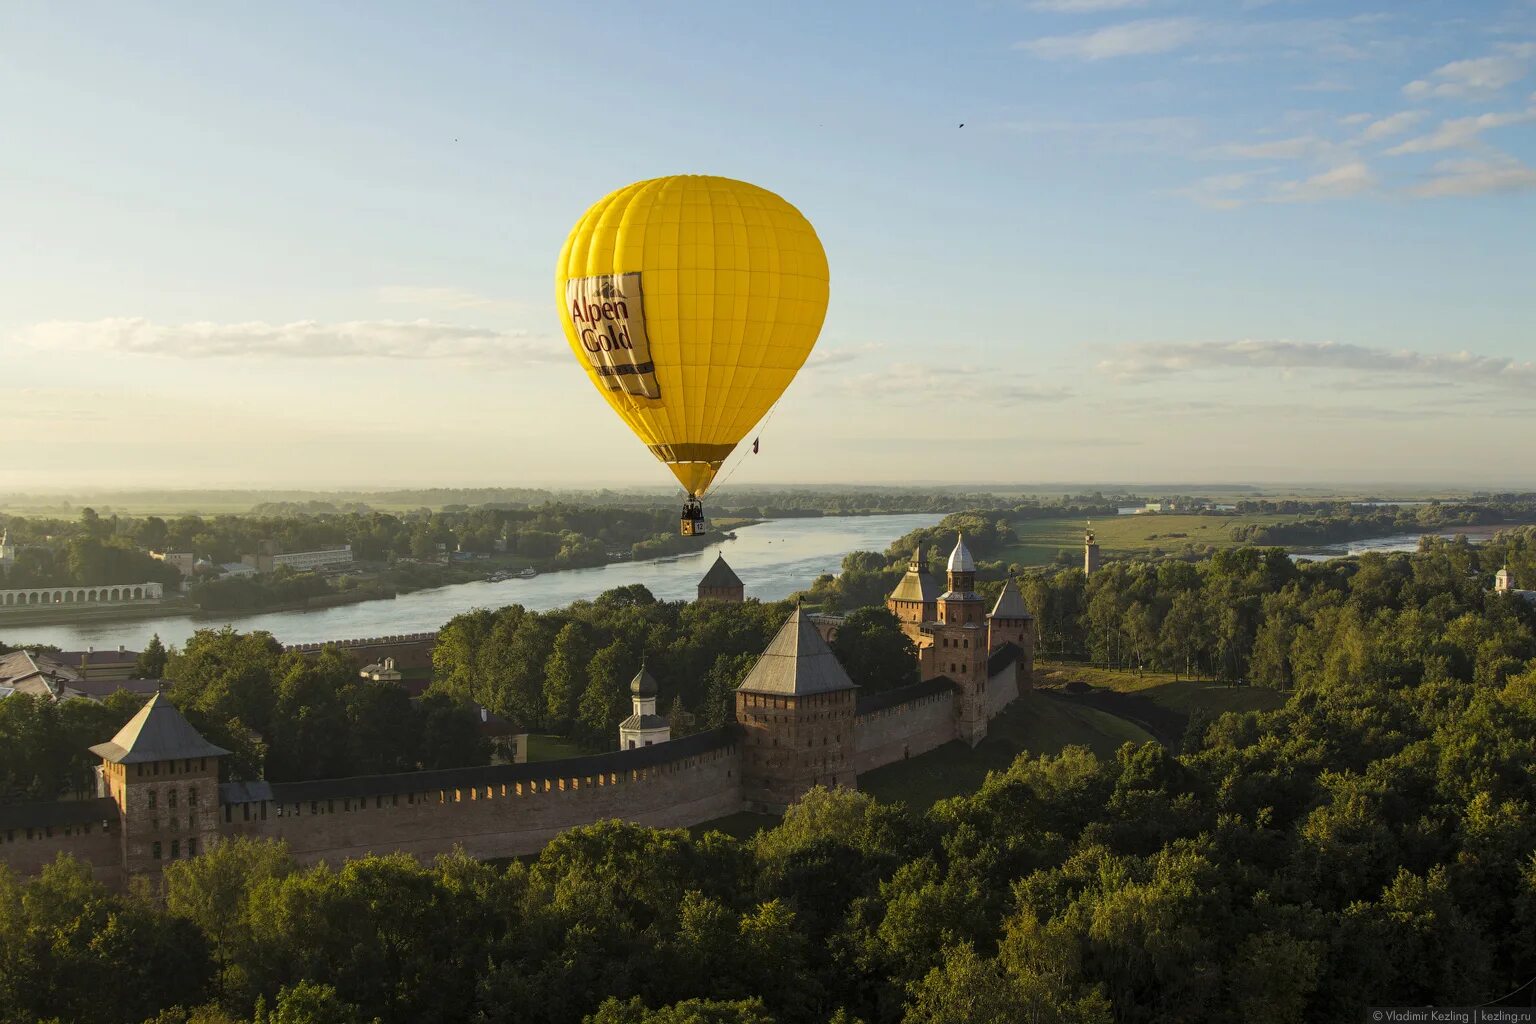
<point>1182,696</point>
<point>1034,723</point>
<point>1040,539</point>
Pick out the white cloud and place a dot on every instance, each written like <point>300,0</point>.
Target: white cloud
<point>1144,361</point>
<point>1341,182</point>
<point>983,386</point>
<point>1477,178</point>
<point>824,356</point>
<point>307,339</point>
<point>1085,6</point>
<point>1223,191</point>
<point>1480,76</point>
<point>1131,38</point>
<point>440,297</point>
<point>1354,119</point>
<point>1295,148</point>
<point>1394,124</point>
<point>1459,133</point>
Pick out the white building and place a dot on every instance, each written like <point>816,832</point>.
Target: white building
<point>184,562</point>
<point>1504,583</point>
<point>7,549</point>
<point>302,561</point>
<point>645,727</point>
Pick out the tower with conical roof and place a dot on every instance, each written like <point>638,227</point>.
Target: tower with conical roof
<point>164,777</point>
<point>1010,622</point>
<point>645,727</point>
<point>721,583</point>
<point>796,711</point>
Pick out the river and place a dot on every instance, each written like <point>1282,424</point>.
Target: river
<point>774,559</point>
<point>1396,542</point>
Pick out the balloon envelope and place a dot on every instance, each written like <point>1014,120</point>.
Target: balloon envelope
<point>692,301</point>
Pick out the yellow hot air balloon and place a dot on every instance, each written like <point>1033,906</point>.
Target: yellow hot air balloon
<point>691,301</point>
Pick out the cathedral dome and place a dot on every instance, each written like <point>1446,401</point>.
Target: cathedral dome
<point>644,684</point>
<point>960,559</point>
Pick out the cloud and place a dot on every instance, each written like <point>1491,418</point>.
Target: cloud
<point>1145,361</point>
<point>1325,85</point>
<point>1146,134</point>
<point>1131,38</point>
<point>1494,176</point>
<point>306,339</point>
<point>1085,6</point>
<point>1353,119</point>
<point>834,356</point>
<point>1459,133</point>
<point>1351,179</point>
<point>1394,124</point>
<point>1223,191</point>
<point>1480,76</point>
<point>984,386</point>
<point>1295,148</point>
<point>440,297</point>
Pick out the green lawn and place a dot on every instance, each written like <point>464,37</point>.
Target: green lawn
<point>1034,723</point>
<point>742,824</point>
<point>544,747</point>
<point>1183,696</point>
<point>1041,539</point>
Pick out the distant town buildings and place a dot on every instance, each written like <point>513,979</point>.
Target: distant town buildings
<point>300,561</point>
<point>184,562</point>
<point>120,593</point>
<point>69,675</point>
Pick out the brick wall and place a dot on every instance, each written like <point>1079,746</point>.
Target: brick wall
<point>496,819</point>
<point>1002,690</point>
<point>903,730</point>
<point>26,850</point>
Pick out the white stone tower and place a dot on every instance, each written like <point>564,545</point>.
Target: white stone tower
<point>645,727</point>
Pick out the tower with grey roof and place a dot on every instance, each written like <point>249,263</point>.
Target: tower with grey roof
<point>164,777</point>
<point>796,712</point>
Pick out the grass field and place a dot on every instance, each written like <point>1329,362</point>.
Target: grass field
<point>543,747</point>
<point>1034,723</point>
<point>1180,695</point>
<point>1041,539</point>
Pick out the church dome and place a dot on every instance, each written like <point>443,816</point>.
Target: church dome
<point>960,559</point>
<point>644,684</point>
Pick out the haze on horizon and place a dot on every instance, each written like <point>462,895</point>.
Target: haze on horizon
<point>1175,240</point>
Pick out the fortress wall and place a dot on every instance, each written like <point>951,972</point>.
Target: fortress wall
<point>502,819</point>
<point>101,848</point>
<point>903,730</point>
<point>1002,690</point>
<point>410,650</point>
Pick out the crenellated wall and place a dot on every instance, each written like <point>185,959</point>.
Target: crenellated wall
<point>33,835</point>
<point>903,723</point>
<point>494,812</point>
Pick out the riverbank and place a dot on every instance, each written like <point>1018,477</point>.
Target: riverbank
<point>774,558</point>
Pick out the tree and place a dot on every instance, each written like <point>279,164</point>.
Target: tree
<point>151,661</point>
<point>605,701</point>
<point>565,671</point>
<point>874,651</point>
<point>689,1011</point>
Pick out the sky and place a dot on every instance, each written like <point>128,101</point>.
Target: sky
<point>313,244</point>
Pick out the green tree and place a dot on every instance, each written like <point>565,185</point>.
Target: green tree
<point>151,661</point>
<point>874,651</point>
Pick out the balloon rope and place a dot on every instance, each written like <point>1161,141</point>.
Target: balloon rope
<point>714,492</point>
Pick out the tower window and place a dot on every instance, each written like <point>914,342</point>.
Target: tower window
<point>154,850</point>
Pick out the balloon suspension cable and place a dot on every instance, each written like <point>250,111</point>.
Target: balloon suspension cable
<point>741,456</point>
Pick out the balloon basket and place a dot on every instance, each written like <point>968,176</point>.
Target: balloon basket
<point>692,522</point>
